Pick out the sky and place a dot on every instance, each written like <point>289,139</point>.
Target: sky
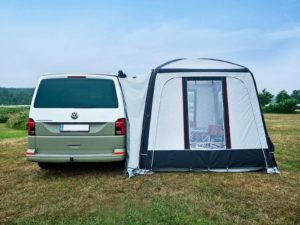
<point>38,37</point>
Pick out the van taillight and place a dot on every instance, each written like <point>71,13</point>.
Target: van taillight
<point>31,127</point>
<point>120,127</point>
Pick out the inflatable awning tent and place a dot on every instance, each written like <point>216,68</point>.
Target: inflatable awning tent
<point>196,115</point>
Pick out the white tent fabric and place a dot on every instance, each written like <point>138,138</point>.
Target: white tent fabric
<point>166,129</point>
<point>246,125</point>
<point>246,132</point>
<point>134,91</point>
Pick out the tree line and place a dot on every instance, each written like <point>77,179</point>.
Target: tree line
<point>281,103</point>
<point>15,96</point>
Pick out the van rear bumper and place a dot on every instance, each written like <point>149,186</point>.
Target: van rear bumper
<point>64,158</point>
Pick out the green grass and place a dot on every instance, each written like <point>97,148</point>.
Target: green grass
<point>101,194</point>
<point>6,132</point>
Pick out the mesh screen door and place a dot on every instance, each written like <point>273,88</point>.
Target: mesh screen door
<point>205,112</point>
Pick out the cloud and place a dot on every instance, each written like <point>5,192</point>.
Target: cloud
<point>292,33</point>
<point>84,47</point>
<point>280,71</point>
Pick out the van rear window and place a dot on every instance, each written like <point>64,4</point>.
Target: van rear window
<point>76,93</point>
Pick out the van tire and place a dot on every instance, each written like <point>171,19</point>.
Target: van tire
<point>45,166</point>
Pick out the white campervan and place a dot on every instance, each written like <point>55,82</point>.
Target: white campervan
<point>76,118</point>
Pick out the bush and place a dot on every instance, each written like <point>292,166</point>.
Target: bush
<point>265,97</point>
<point>18,120</point>
<point>282,96</point>
<point>285,106</point>
<point>6,112</point>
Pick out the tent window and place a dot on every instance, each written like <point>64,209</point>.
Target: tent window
<point>205,114</point>
<point>191,104</point>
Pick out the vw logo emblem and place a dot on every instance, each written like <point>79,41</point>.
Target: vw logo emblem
<point>74,115</point>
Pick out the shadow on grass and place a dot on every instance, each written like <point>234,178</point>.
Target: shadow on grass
<point>76,168</point>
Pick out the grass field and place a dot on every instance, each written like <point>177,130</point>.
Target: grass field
<point>6,132</point>
<point>101,194</point>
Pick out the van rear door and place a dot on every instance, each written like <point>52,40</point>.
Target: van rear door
<point>77,115</point>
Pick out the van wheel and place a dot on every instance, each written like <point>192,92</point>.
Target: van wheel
<point>45,166</point>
